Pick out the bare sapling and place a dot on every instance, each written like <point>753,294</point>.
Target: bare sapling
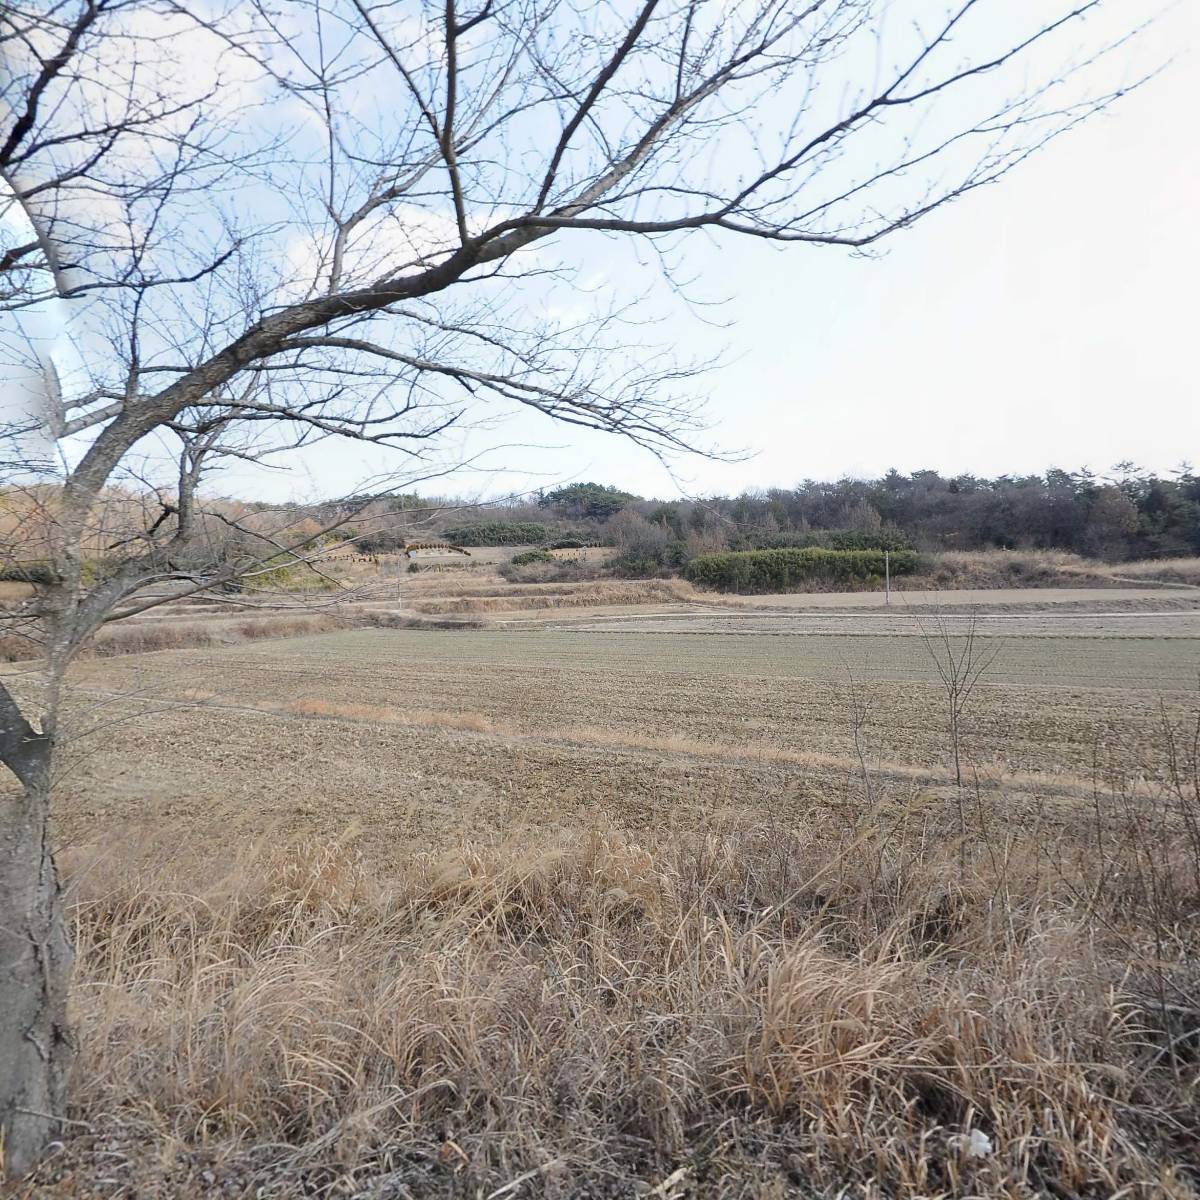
<point>961,660</point>
<point>860,702</point>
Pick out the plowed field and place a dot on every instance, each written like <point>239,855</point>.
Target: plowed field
<point>432,735</point>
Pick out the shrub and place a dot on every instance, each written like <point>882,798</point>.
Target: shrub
<point>783,570</point>
<point>27,572</point>
<point>383,541</point>
<point>498,533</point>
<point>645,550</point>
<point>531,556</point>
<point>284,573</point>
<point>40,571</point>
<point>650,562</point>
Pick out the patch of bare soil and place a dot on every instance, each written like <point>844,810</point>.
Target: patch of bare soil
<point>427,734</point>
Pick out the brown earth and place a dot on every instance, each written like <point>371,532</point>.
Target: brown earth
<point>429,736</point>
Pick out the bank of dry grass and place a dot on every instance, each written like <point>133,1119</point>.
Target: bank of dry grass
<point>144,636</point>
<point>1043,568</point>
<point>524,597</point>
<point>969,569</point>
<point>862,1005</point>
<point>174,633</point>
<point>1162,570</point>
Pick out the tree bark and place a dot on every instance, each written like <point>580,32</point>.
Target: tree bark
<point>35,970</point>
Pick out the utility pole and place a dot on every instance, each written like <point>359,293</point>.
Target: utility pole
<point>887,578</point>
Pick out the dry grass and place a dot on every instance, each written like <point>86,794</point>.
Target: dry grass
<point>143,636</point>
<point>1163,570</point>
<point>741,1011</point>
<point>1045,568</point>
<point>174,633</point>
<point>522,597</point>
<point>1008,569</point>
<point>316,707</point>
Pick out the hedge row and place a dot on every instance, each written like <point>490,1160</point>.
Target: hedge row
<point>498,533</point>
<point>787,570</point>
<point>824,539</point>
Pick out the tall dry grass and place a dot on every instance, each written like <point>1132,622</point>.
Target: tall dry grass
<point>862,1005</point>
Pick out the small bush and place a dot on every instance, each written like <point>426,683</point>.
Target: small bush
<point>650,562</point>
<point>531,556</point>
<point>785,570</point>
<point>27,572</point>
<point>382,541</point>
<point>284,574</point>
<point>15,648</point>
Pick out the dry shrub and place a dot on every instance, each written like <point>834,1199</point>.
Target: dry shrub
<point>14,648</point>
<point>845,1008</point>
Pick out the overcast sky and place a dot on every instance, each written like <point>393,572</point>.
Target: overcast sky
<point>1049,320</point>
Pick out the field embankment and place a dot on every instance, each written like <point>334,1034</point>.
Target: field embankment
<point>500,597</point>
<point>378,597</point>
<point>189,629</point>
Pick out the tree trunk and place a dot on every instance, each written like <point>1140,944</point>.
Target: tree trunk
<point>35,970</point>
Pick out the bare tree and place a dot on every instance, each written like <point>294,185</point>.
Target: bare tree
<point>961,660</point>
<point>272,224</point>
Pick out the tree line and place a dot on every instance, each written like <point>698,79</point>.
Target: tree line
<point>1124,515</point>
